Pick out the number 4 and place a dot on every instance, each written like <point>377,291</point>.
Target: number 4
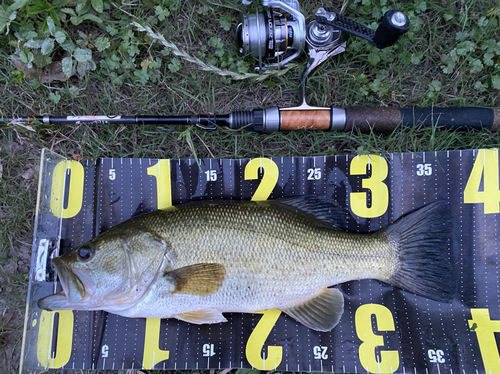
<point>485,170</point>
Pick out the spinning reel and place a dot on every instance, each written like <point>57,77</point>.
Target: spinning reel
<point>279,35</point>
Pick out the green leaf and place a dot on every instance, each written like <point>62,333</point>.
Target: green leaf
<point>133,50</point>
<point>480,86</point>
<point>54,97</point>
<point>112,63</point>
<point>82,55</point>
<point>85,66</point>
<point>26,57</point>
<point>435,86</point>
<point>488,59</point>
<point>68,45</point>
<point>51,25</point>
<point>111,30</point>
<point>415,59</point>
<point>69,11</point>
<point>175,65</point>
<point>73,92</point>
<point>98,5</point>
<point>6,17</point>
<point>422,6</point>
<point>76,20</point>
<point>476,66</point>
<point>102,43</point>
<point>225,22</point>
<point>67,66</point>
<point>462,35</point>
<point>91,17</point>
<point>495,82</point>
<point>161,13</point>
<point>141,76</point>
<point>60,36</point>
<point>464,48</point>
<point>47,46</point>
<point>37,7</point>
<point>82,7</point>
<point>215,42</point>
<point>491,46</point>
<point>17,4</point>
<point>448,16</point>
<point>373,59</point>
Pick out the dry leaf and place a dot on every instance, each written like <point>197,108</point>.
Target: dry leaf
<point>28,174</point>
<point>51,72</point>
<point>77,157</point>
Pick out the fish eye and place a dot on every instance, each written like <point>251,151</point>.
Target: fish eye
<point>85,253</point>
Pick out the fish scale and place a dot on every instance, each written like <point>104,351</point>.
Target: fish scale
<point>269,256</point>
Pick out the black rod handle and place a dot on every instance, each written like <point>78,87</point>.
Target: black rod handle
<point>388,119</point>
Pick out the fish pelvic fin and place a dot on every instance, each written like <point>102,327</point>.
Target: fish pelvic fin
<point>202,316</point>
<point>198,279</point>
<point>421,239</point>
<point>321,313</point>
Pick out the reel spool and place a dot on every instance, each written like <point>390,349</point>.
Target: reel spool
<point>272,36</point>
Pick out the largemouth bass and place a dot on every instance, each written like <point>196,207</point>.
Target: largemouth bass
<point>201,260</point>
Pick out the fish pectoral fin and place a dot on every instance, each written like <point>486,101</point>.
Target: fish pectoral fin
<point>198,279</point>
<point>321,313</point>
<point>202,316</point>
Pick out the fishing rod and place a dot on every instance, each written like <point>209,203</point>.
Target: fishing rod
<point>277,35</point>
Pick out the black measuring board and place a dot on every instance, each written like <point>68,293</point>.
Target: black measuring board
<point>383,329</point>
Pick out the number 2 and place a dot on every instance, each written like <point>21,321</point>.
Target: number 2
<point>269,179</point>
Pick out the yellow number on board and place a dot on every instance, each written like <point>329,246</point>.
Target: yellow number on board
<point>485,169</point>
<point>375,183</point>
<point>64,338</point>
<point>485,330</point>
<point>161,171</point>
<point>269,179</point>
<point>389,360</point>
<point>76,174</point>
<point>257,339</point>
<point>152,352</point>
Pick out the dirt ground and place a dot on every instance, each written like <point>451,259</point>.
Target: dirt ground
<point>18,182</point>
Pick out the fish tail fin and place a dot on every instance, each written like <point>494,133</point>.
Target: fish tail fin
<point>421,239</point>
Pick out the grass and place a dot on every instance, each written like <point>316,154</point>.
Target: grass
<point>409,74</point>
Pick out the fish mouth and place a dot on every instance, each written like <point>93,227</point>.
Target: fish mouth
<point>73,289</point>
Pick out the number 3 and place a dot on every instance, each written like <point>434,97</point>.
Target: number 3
<point>379,191</point>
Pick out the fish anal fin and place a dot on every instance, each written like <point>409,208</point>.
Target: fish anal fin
<point>198,279</point>
<point>321,313</point>
<point>202,316</point>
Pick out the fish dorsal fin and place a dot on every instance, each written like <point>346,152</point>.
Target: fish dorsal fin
<point>321,313</point>
<point>198,279</point>
<point>326,211</point>
<point>202,316</point>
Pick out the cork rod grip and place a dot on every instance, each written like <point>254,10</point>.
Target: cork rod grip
<point>305,119</point>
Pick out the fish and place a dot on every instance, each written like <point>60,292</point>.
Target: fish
<point>200,260</point>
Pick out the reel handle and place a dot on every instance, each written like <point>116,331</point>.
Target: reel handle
<point>394,24</point>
